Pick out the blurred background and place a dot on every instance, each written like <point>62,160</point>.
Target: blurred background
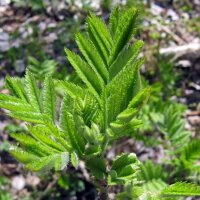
<point>33,34</point>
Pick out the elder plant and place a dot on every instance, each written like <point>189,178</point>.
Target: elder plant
<point>92,115</point>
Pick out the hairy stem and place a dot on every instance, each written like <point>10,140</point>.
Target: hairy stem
<point>103,193</point>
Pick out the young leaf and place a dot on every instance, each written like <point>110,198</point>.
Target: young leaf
<point>92,57</point>
<point>21,155</point>
<point>124,168</point>
<point>29,143</point>
<point>57,161</point>
<point>49,99</point>
<point>120,90</point>
<point>181,189</point>
<point>151,171</point>
<point>68,124</point>
<point>32,117</point>
<point>114,20</point>
<point>97,166</point>
<point>153,188</point>
<point>125,30</point>
<point>173,128</point>
<point>191,154</point>
<point>14,104</point>
<point>84,71</point>
<point>45,138</point>
<point>74,159</point>
<point>33,92</point>
<point>100,37</point>
<point>126,57</point>
<point>71,89</point>
<point>16,88</point>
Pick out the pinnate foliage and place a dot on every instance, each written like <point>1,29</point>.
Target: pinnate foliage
<point>173,128</point>
<point>91,115</point>
<point>41,69</point>
<point>124,169</point>
<point>181,189</point>
<point>190,155</point>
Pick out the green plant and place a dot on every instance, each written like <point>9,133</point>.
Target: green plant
<point>40,70</point>
<point>190,155</point>
<point>71,183</point>
<point>4,146</point>
<point>173,129</point>
<point>92,115</point>
<point>4,194</point>
<point>34,4</point>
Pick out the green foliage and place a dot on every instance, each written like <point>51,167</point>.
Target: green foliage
<point>71,183</point>
<point>153,188</point>
<point>182,189</point>
<point>173,128</point>
<point>40,70</point>
<point>153,176</point>
<point>167,74</point>
<point>4,194</point>
<point>191,154</point>
<point>93,114</point>
<point>157,189</point>
<point>98,167</point>
<point>4,146</point>
<point>151,171</point>
<point>34,4</point>
<point>92,111</point>
<point>124,169</point>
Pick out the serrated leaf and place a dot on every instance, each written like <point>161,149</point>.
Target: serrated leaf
<point>124,168</point>
<point>49,99</point>
<point>125,30</point>
<point>16,88</point>
<point>114,20</point>
<point>21,155</point>
<point>62,161</point>
<point>71,89</point>
<point>92,57</point>
<point>46,139</point>
<point>127,114</point>
<point>37,163</point>
<point>191,154</point>
<point>88,108</point>
<point>97,166</point>
<point>32,117</point>
<point>153,188</point>
<point>74,159</point>
<point>181,189</point>
<point>120,129</point>
<point>140,99</point>
<point>68,124</point>
<point>123,160</point>
<point>125,58</point>
<point>14,104</point>
<point>33,92</point>
<point>85,73</point>
<point>92,150</point>
<point>120,90</point>
<point>100,36</point>
<point>173,128</point>
<point>30,144</point>
<point>150,171</point>
<point>56,161</point>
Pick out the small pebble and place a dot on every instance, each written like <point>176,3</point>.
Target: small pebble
<point>18,183</point>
